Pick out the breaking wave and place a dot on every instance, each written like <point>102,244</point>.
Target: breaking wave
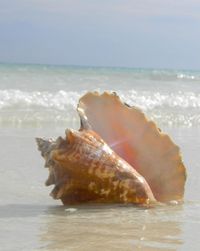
<point>20,108</point>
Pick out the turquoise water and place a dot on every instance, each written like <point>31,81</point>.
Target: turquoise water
<point>75,78</point>
<point>33,95</point>
<point>41,101</point>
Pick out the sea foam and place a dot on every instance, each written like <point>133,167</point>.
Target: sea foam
<point>38,108</point>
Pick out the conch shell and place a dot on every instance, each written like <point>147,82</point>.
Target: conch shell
<point>84,169</point>
<point>117,156</point>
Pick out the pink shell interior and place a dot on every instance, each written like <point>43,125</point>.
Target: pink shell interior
<point>138,141</point>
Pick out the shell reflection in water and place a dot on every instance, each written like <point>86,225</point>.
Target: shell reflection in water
<point>112,227</point>
<point>117,156</point>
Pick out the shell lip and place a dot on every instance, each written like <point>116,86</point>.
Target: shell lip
<point>89,103</point>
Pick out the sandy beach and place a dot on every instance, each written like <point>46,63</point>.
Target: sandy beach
<point>32,220</point>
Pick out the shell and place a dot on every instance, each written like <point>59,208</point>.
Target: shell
<point>137,140</point>
<point>85,169</point>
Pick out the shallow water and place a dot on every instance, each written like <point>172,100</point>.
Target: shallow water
<point>31,220</point>
<point>40,101</point>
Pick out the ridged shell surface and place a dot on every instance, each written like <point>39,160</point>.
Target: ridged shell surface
<point>85,169</point>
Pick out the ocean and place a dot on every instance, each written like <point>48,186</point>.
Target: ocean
<point>40,101</point>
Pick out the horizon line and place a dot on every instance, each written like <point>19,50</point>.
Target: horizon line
<point>96,66</point>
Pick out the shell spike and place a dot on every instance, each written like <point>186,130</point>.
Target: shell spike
<point>43,145</point>
<point>83,120</point>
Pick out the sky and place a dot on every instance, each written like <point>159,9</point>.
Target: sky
<point>119,33</point>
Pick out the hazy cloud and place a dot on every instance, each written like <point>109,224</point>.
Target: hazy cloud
<point>132,7</point>
<point>100,32</point>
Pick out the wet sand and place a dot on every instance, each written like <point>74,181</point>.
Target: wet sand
<point>31,220</point>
